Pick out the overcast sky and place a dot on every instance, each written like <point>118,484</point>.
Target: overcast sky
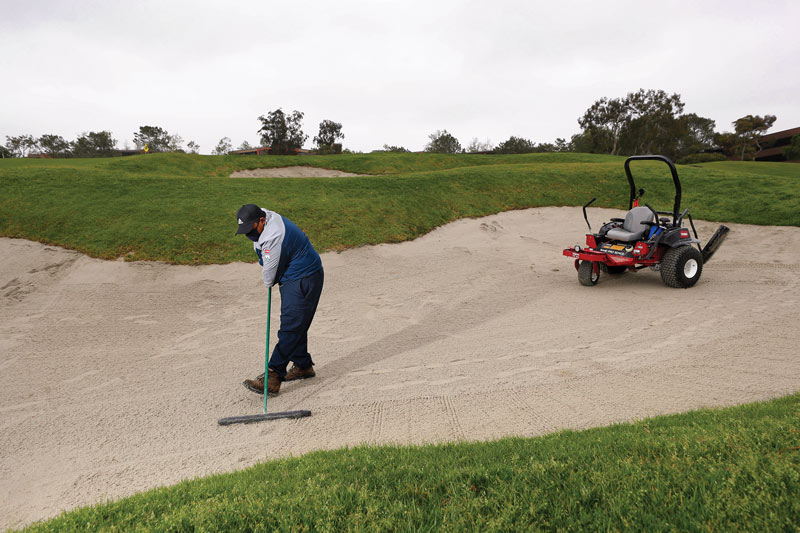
<point>391,72</point>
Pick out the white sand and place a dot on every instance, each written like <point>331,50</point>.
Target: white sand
<point>292,172</point>
<point>113,374</point>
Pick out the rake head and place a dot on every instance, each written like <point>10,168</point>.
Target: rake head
<point>250,419</point>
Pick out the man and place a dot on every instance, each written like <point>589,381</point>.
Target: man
<point>288,259</point>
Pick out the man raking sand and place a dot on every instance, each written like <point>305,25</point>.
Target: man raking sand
<point>288,258</point>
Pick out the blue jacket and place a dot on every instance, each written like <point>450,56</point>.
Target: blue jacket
<point>284,251</point>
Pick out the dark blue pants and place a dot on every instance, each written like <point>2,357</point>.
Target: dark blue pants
<point>299,301</point>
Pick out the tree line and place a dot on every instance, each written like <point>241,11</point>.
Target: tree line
<point>283,134</point>
<point>645,121</point>
<point>95,144</point>
<point>653,121</point>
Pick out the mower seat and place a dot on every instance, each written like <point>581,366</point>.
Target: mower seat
<point>632,229</point>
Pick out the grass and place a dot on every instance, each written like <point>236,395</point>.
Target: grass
<point>727,469</point>
<point>180,208</point>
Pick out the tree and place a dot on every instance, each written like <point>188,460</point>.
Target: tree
<point>244,146</point>
<point>282,133</point>
<point>792,151</point>
<point>476,146</point>
<point>223,146</point>
<point>157,139</point>
<point>14,146</point>
<point>329,133</point>
<point>749,128</point>
<point>581,142</point>
<point>5,153</point>
<point>727,142</point>
<point>193,147</point>
<point>605,121</point>
<point>697,134</point>
<point>654,126</point>
<point>515,145</point>
<point>389,148</point>
<point>175,142</point>
<point>94,144</point>
<point>561,145</point>
<point>647,121</point>
<point>54,145</point>
<point>21,145</point>
<point>443,143</point>
<point>545,147</point>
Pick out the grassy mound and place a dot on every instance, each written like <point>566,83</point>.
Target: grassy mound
<point>181,208</point>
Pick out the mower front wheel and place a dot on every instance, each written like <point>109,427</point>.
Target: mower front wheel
<point>681,267</point>
<point>586,273</point>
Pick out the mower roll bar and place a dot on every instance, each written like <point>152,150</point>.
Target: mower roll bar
<point>675,180</point>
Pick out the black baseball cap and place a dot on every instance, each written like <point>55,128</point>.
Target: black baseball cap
<point>246,215</point>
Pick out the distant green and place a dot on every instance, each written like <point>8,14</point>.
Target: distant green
<point>734,469</point>
<point>181,208</point>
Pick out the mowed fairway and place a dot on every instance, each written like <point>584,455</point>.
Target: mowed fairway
<point>114,373</point>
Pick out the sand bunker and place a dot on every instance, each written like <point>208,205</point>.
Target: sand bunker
<point>113,374</point>
<point>292,172</point>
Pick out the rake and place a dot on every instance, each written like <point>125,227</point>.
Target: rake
<point>249,419</point>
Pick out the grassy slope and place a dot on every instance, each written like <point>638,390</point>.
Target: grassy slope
<point>180,208</point>
<point>720,470</point>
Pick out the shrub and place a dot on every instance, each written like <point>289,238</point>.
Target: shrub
<point>701,158</point>
<point>793,150</point>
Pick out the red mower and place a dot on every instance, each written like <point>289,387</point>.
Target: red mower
<point>646,239</point>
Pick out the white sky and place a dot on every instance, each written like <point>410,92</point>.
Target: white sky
<point>391,72</point>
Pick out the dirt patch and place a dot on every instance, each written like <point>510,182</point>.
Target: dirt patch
<point>293,172</point>
<point>113,374</point>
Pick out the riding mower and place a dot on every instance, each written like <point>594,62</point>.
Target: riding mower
<point>645,238</point>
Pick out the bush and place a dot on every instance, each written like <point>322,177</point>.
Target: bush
<point>792,151</point>
<point>515,145</point>
<point>443,143</point>
<point>701,158</point>
<point>400,149</point>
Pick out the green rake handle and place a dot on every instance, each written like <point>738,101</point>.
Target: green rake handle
<point>266,355</point>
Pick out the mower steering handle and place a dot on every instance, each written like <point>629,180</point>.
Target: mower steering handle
<point>585,216</point>
<point>655,214</point>
<point>680,218</point>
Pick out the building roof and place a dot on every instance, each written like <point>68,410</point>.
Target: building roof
<point>774,145</point>
<point>779,135</point>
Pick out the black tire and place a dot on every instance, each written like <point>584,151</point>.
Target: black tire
<point>586,274</point>
<point>614,270</point>
<point>681,267</point>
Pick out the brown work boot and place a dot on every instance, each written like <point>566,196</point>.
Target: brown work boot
<point>299,373</point>
<point>273,383</point>
<point>257,384</point>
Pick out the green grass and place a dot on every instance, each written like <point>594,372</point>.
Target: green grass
<point>729,469</point>
<point>180,208</point>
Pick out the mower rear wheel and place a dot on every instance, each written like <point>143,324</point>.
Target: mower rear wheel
<point>681,267</point>
<point>586,274</point>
